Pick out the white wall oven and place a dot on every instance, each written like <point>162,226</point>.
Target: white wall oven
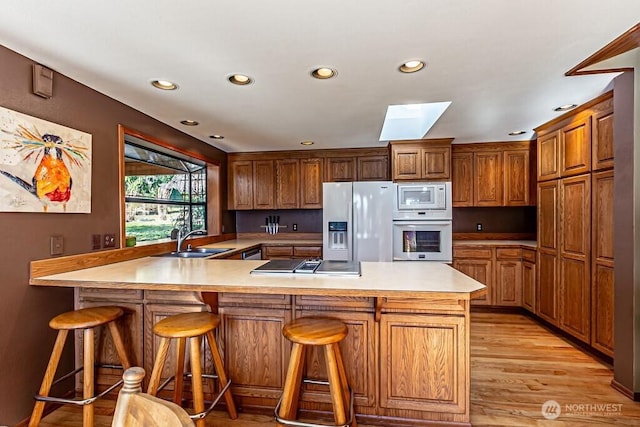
<point>422,222</point>
<point>422,241</point>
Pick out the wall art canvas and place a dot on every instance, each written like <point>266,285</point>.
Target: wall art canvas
<point>44,167</point>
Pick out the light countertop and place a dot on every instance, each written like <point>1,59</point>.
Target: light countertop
<point>403,279</point>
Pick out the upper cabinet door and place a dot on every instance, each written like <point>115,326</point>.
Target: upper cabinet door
<point>549,156</point>
<point>373,168</point>
<point>462,179</point>
<point>516,177</point>
<point>287,184</point>
<point>575,147</point>
<point>240,185</point>
<point>603,137</point>
<point>436,163</point>
<point>407,162</point>
<point>311,183</point>
<point>340,169</point>
<point>263,184</point>
<point>488,172</point>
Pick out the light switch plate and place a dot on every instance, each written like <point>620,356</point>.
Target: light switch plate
<point>57,245</point>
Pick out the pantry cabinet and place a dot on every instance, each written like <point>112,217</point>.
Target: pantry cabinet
<point>575,223</point>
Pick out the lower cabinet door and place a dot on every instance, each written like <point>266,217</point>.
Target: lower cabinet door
<point>529,286</point>
<point>255,352</point>
<point>508,283</point>
<point>423,363</point>
<point>602,309</point>
<point>481,270</point>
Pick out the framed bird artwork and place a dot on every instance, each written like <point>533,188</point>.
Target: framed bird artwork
<point>44,167</point>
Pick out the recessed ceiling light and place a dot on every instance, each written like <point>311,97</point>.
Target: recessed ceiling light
<point>216,136</point>
<point>189,123</point>
<point>164,84</point>
<point>412,66</point>
<point>240,79</point>
<point>517,132</point>
<point>324,73</point>
<point>307,143</point>
<point>565,107</point>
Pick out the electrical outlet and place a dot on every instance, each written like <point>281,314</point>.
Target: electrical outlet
<point>57,245</point>
<point>295,227</point>
<point>479,227</point>
<point>95,241</point>
<point>109,240</point>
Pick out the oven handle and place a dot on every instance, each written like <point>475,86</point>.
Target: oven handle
<point>426,222</point>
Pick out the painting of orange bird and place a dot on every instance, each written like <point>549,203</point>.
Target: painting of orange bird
<point>53,182</point>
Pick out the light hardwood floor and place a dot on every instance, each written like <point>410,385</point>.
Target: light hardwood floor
<point>516,366</point>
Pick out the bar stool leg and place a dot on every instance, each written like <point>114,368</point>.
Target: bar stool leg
<point>119,343</point>
<point>49,375</point>
<point>222,375</point>
<point>179,380</point>
<point>335,385</point>
<point>291,391</point>
<point>343,381</point>
<point>161,357</point>
<point>196,379</point>
<point>87,410</point>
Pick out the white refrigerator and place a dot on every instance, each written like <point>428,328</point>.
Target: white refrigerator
<point>357,220</point>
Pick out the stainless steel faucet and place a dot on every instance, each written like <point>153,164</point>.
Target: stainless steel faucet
<point>182,238</point>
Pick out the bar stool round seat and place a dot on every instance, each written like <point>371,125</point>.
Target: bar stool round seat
<point>325,332</point>
<point>86,319</point>
<point>191,326</point>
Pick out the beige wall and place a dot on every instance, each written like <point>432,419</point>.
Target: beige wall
<point>25,339</point>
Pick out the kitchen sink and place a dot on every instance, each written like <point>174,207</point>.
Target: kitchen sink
<point>196,253</point>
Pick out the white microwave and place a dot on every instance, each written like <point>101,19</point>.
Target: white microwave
<point>424,200</point>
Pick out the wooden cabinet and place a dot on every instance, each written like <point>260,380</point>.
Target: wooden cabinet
<point>575,256</point>
<point>311,183</point>
<point>549,156</point>
<point>264,184</point>
<point>529,284</point>
<point>547,267</point>
<point>487,190</point>
<point>421,160</point>
<point>462,178</point>
<point>508,277</point>
<point>373,168</point>
<point>492,174</point>
<point>575,147</point>
<point>240,185</point>
<point>424,380</point>
<point>287,183</point>
<point>293,251</point>
<point>516,178</point>
<point>602,277</point>
<point>476,262</point>
<point>338,169</point>
<point>602,137</point>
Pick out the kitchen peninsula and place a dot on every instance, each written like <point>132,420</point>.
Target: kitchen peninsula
<point>406,355</point>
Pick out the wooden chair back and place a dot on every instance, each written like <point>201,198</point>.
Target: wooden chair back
<point>137,409</point>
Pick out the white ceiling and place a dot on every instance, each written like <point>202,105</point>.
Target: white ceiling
<point>500,62</point>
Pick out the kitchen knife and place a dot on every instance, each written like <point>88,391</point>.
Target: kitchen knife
<point>277,221</point>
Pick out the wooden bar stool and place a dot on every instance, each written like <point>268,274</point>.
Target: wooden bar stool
<point>194,326</point>
<point>87,319</point>
<point>316,331</point>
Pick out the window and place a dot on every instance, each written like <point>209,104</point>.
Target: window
<point>163,191</point>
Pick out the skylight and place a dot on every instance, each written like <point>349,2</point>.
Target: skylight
<point>411,121</point>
